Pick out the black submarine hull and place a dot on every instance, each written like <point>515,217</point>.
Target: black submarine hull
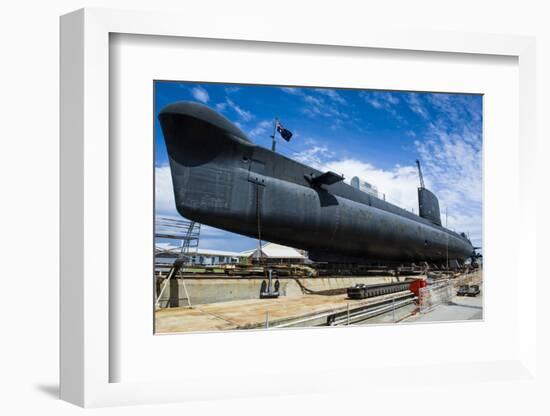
<point>224,180</point>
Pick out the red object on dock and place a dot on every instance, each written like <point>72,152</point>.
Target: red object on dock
<point>416,285</point>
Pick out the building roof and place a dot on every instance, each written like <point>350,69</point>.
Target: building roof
<point>272,250</point>
<point>212,252</point>
<point>167,247</point>
<point>269,250</point>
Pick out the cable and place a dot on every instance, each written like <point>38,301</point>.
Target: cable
<point>258,222</point>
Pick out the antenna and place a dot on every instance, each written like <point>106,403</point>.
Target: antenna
<point>420,174</point>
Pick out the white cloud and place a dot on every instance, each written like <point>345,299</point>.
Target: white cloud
<point>210,237</point>
<point>164,191</point>
<point>318,107</point>
<point>399,184</point>
<point>200,94</point>
<point>377,99</point>
<point>416,105</point>
<point>450,149</point>
<point>386,101</point>
<point>332,94</point>
<point>315,156</point>
<point>321,106</point>
<point>327,92</point>
<point>310,99</point>
<point>293,91</point>
<point>456,108</point>
<point>221,106</point>
<point>262,128</point>
<point>455,160</point>
<point>245,115</point>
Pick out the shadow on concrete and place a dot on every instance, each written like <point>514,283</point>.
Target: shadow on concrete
<point>51,390</point>
<point>462,305</point>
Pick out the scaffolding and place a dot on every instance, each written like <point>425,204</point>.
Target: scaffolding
<point>187,233</point>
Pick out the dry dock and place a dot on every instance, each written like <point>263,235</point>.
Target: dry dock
<point>316,309</point>
<point>299,311</point>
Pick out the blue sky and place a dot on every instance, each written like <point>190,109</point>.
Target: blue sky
<point>376,135</point>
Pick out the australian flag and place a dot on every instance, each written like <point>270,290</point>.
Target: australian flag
<point>285,134</point>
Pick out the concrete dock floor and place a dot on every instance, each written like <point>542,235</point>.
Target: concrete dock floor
<point>250,313</point>
<point>461,308</point>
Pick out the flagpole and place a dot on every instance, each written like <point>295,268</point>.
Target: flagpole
<point>273,141</point>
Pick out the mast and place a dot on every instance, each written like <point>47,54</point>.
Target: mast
<point>420,174</point>
<point>273,141</point>
<point>447,234</point>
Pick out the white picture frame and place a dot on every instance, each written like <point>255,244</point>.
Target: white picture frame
<point>85,354</point>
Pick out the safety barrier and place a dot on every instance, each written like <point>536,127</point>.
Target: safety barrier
<point>434,295</point>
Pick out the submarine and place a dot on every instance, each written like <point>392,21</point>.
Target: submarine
<point>224,180</point>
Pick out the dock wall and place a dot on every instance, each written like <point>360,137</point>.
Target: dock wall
<point>212,290</point>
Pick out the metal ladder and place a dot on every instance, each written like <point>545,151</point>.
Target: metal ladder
<point>188,232</point>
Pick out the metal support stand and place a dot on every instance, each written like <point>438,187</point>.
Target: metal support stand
<point>269,291</point>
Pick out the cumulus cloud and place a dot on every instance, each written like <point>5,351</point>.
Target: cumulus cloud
<point>315,156</point>
<point>164,191</point>
<point>398,184</point>
<point>200,94</point>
